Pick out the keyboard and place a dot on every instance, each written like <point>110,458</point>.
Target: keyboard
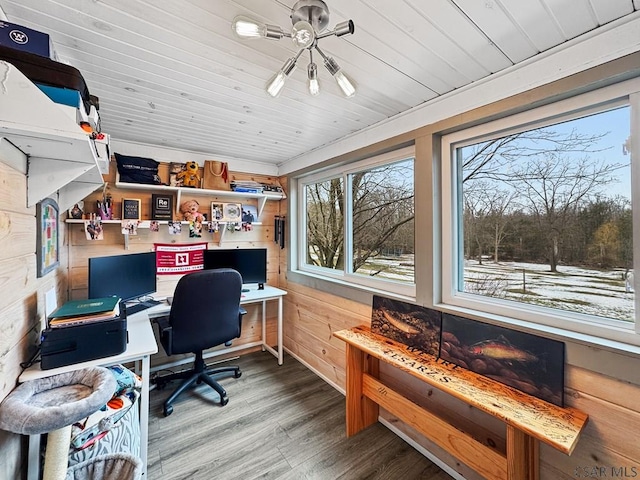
<point>138,307</point>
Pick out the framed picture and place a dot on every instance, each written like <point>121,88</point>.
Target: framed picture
<point>131,209</point>
<point>249,213</point>
<point>231,212</point>
<point>216,212</point>
<point>47,236</point>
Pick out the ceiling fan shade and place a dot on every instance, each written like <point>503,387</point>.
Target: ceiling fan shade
<point>309,18</point>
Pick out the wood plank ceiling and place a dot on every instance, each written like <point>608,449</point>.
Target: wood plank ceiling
<point>172,73</point>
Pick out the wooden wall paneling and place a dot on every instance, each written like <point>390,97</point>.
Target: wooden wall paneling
<point>13,191</point>
<point>606,440</point>
<point>484,428</point>
<point>617,392</point>
<point>19,339</point>
<point>17,279</point>
<point>17,234</point>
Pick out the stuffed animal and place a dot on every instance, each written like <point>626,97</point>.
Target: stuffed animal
<point>190,176</point>
<point>189,210</point>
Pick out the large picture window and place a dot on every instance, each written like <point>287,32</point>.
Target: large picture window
<point>539,214</point>
<point>358,224</point>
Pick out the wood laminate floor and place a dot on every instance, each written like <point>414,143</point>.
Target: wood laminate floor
<point>281,422</point>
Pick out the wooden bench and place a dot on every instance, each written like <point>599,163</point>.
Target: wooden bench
<point>528,419</point>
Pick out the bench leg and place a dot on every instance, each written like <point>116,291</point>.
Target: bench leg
<point>522,455</point>
<point>361,411</point>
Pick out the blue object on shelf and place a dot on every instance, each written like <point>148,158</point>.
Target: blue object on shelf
<point>63,96</point>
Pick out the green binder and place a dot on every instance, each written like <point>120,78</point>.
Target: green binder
<point>81,308</point>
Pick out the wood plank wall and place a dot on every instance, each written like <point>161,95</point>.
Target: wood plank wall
<point>261,236</point>
<point>612,404</point>
<point>22,299</point>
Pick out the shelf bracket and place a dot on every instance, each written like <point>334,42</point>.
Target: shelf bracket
<point>262,201</point>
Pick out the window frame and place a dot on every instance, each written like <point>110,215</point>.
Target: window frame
<point>563,323</point>
<point>346,276</point>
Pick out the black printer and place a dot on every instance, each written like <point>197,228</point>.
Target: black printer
<point>81,343</point>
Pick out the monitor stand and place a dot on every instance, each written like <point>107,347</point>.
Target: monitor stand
<point>261,286</point>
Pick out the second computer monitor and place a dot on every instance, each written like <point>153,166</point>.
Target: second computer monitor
<point>251,263</point>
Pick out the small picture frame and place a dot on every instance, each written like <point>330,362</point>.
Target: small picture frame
<point>161,207</point>
<point>249,214</point>
<point>216,212</point>
<point>47,236</point>
<point>131,209</point>
<point>231,212</point>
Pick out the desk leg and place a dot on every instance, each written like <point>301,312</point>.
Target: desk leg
<point>264,325</point>
<point>280,346</point>
<point>361,411</point>
<point>522,455</point>
<point>144,413</point>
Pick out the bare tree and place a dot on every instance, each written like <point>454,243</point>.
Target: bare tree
<point>382,208</point>
<point>552,172</point>
<point>325,223</point>
<point>555,186</point>
<point>486,214</point>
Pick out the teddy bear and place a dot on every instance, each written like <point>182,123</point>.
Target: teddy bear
<point>190,176</point>
<point>189,210</point>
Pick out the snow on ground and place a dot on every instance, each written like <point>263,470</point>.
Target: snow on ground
<point>590,291</point>
<point>595,292</point>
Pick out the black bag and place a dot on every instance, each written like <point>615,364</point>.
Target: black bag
<point>137,169</point>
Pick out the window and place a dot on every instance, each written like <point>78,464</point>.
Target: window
<point>538,215</point>
<point>358,225</point>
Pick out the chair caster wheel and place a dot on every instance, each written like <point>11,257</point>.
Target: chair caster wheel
<point>238,374</point>
<point>224,401</point>
<point>167,410</point>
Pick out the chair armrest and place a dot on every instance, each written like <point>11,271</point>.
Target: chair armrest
<point>166,333</point>
<point>242,311</point>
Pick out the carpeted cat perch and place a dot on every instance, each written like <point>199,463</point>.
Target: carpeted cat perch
<point>51,405</point>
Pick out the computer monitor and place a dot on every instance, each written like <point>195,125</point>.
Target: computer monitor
<point>129,277</point>
<point>251,263</point>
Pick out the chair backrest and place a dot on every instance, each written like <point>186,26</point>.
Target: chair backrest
<point>205,311</point>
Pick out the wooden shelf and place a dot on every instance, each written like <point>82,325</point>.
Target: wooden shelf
<point>201,192</point>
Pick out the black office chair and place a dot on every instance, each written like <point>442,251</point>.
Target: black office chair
<point>205,313</point>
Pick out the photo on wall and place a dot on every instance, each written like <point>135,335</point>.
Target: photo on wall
<point>529,363</point>
<point>409,324</point>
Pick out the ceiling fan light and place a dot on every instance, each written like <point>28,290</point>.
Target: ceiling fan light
<point>245,27</point>
<point>303,34</point>
<point>314,84</point>
<point>345,84</point>
<point>276,83</point>
<point>344,28</point>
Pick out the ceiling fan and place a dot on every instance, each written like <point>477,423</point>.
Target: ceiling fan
<point>310,19</point>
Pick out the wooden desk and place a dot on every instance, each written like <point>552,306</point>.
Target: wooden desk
<point>254,295</point>
<point>140,347</point>
<point>528,419</point>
